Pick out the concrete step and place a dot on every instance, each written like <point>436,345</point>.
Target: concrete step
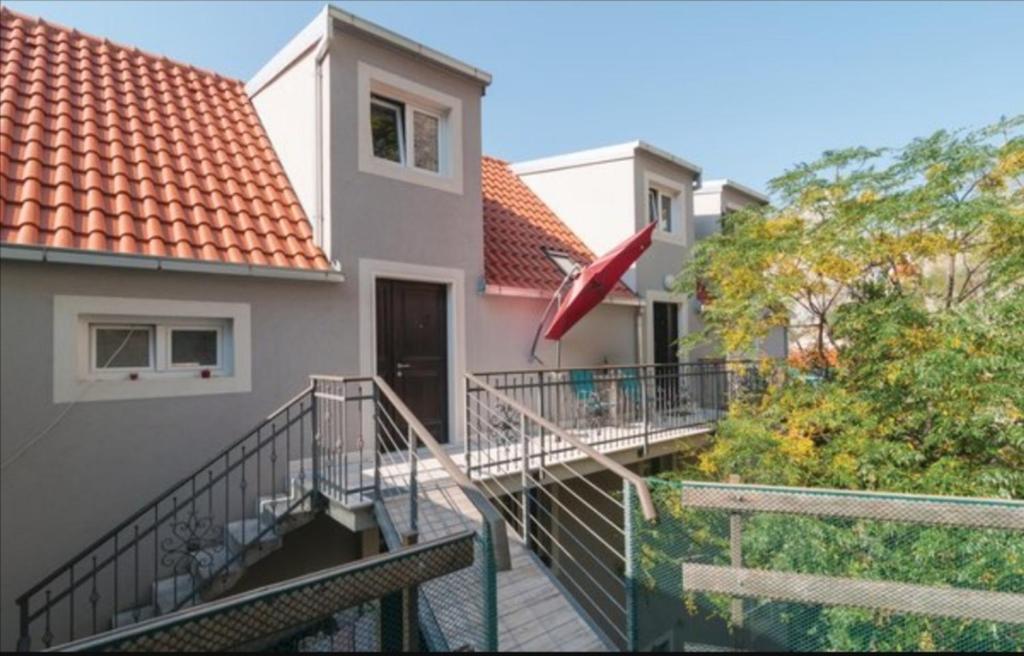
<point>272,508</point>
<point>244,535</point>
<point>167,592</point>
<point>173,593</point>
<point>133,616</point>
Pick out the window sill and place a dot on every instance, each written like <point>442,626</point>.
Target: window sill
<point>669,238</point>
<point>388,169</point>
<point>105,389</point>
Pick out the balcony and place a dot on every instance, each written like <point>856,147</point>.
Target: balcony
<point>611,408</point>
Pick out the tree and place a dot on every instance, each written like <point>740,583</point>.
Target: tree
<point>908,266</point>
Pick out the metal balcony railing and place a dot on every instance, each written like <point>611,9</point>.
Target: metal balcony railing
<point>575,524</point>
<point>341,440</point>
<point>617,406</point>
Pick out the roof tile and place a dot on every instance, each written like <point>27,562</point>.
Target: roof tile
<point>518,226</point>
<point>107,148</point>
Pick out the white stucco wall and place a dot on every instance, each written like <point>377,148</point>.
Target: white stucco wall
<point>595,200</point>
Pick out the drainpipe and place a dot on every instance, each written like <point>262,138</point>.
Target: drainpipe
<point>318,59</point>
<point>640,311</point>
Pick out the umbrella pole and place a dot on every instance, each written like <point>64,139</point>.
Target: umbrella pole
<point>556,300</point>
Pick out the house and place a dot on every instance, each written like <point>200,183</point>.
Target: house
<point>180,251</point>
<point>606,194</point>
<point>714,201</point>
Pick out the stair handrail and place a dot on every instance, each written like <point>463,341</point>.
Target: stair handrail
<point>647,507</point>
<point>27,616</point>
<point>163,496</point>
<point>490,514</point>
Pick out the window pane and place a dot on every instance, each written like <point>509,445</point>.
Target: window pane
<point>386,130</point>
<point>122,347</point>
<point>425,141</point>
<point>652,205</point>
<point>666,213</point>
<point>197,348</point>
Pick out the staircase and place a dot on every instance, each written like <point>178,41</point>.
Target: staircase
<point>350,443</point>
<point>191,543</point>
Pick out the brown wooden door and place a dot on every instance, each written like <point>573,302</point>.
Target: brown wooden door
<point>666,333</point>
<point>412,348</point>
<point>666,351</point>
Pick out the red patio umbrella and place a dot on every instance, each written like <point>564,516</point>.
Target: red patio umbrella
<point>596,281</point>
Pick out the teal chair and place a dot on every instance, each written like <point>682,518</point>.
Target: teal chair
<point>629,384</point>
<point>590,408</point>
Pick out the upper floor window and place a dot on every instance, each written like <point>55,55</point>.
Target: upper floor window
<point>659,209</point>
<point>409,131</point>
<point>398,129</point>
<point>667,206</point>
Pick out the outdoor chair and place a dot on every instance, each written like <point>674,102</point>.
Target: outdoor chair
<point>630,393</point>
<point>591,410</point>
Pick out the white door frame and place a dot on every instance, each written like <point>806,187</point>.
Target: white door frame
<point>454,280</point>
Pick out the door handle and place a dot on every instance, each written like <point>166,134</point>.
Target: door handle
<point>402,365</point>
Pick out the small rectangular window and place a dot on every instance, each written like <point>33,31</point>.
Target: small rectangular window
<point>426,134</point>
<point>195,347</point>
<point>122,347</point>
<point>387,120</point>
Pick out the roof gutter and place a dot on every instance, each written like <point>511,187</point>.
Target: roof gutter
<point>525,292</point>
<point>147,262</point>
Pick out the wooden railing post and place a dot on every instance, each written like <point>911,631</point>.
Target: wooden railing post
<point>736,560</point>
<point>410,606</point>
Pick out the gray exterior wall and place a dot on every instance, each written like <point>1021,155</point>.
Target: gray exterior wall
<point>664,257</point>
<point>105,459</point>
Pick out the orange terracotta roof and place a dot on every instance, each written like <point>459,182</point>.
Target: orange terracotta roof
<point>517,227</point>
<point>106,148</point>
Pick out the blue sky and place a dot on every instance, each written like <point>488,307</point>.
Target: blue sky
<point>745,89</point>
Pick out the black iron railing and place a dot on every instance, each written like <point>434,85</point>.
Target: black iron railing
<point>341,440</point>
<point>185,543</point>
<point>616,406</point>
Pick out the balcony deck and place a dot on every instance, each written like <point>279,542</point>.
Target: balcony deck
<point>535,612</point>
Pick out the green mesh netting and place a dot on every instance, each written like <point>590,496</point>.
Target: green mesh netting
<point>844,558</point>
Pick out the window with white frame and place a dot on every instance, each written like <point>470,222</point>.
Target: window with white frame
<point>406,134</point>
<point>169,347</point>
<point>661,208</point>
<point>409,131</point>
<point>114,348</point>
<point>121,347</point>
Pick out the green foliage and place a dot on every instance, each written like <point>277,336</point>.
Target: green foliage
<point>901,275</point>
<point>908,267</point>
<point>859,549</point>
